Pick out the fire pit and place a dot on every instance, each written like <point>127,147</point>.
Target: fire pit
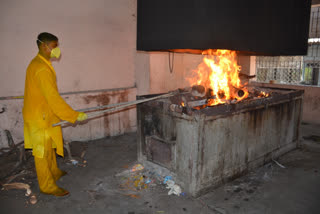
<point>206,147</point>
<point>206,135</point>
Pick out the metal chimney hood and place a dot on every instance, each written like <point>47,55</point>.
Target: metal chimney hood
<point>255,27</point>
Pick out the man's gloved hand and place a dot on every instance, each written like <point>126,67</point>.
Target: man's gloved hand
<point>82,116</point>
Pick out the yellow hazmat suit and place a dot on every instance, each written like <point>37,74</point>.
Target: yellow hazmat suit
<point>43,106</point>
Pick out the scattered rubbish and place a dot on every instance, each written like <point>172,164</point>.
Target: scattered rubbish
<point>33,199</point>
<point>137,167</point>
<point>166,179</point>
<point>170,183</point>
<point>139,182</point>
<point>18,186</point>
<point>183,194</point>
<point>134,168</point>
<point>137,178</point>
<point>174,189</point>
<point>74,162</point>
<point>11,178</point>
<point>283,167</point>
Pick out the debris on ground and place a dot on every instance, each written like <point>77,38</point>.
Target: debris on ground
<point>74,162</point>
<point>15,154</point>
<point>16,166</point>
<point>138,178</point>
<point>166,179</point>
<point>75,153</point>
<point>279,164</point>
<point>174,189</point>
<point>18,186</point>
<point>33,199</point>
<point>137,167</point>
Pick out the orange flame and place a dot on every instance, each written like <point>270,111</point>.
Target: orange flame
<point>219,72</point>
<point>263,94</point>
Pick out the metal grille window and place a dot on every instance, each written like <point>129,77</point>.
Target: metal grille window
<point>294,69</point>
<point>281,69</point>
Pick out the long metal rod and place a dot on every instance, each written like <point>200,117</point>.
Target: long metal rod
<point>122,106</point>
<point>106,106</point>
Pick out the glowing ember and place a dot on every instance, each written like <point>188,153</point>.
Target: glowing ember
<point>263,94</point>
<point>182,104</point>
<point>219,72</point>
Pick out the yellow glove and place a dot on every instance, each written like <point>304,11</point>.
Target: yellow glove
<point>82,116</point>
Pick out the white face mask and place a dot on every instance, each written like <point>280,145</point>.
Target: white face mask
<point>55,53</point>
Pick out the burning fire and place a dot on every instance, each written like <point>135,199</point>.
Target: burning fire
<point>219,72</point>
<point>263,94</point>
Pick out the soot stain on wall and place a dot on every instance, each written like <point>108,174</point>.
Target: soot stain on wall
<point>106,99</point>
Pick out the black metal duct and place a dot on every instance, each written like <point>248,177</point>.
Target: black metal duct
<point>258,27</point>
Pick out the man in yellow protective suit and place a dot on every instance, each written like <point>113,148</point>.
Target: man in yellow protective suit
<point>43,107</point>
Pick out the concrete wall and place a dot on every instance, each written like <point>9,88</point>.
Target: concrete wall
<point>110,125</point>
<point>97,41</point>
<point>311,100</point>
<point>97,65</point>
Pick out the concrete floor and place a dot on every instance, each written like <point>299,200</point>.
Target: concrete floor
<point>95,189</point>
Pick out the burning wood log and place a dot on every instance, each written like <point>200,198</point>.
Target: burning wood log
<point>240,93</point>
<point>196,103</point>
<point>198,91</point>
<point>246,76</point>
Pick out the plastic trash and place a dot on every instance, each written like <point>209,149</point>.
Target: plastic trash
<point>170,184</point>
<point>74,162</point>
<point>33,199</point>
<point>167,178</point>
<point>137,167</point>
<point>175,189</point>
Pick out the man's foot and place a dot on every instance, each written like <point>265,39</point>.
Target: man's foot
<point>63,173</point>
<point>61,192</point>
